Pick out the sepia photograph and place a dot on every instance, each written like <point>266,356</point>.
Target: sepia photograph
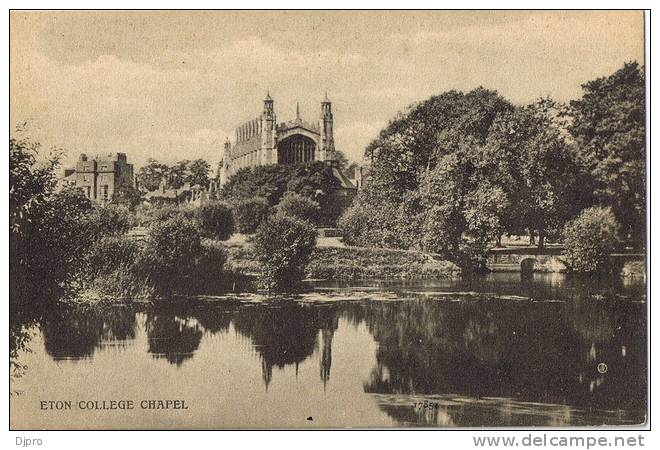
<point>328,219</point>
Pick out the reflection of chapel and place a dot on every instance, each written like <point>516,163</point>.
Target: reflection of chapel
<point>263,141</point>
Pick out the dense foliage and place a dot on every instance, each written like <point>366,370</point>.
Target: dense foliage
<point>126,195</point>
<point>54,231</point>
<point>110,219</point>
<point>589,239</point>
<point>216,220</point>
<point>315,181</point>
<point>609,127</point>
<point>454,173</point>
<point>48,229</point>
<point>171,247</point>
<point>62,243</point>
<point>248,213</point>
<point>296,205</point>
<point>176,175</point>
<point>283,246</point>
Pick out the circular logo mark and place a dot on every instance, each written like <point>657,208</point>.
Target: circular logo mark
<point>602,368</point>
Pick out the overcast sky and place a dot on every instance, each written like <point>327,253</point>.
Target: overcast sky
<point>173,85</point>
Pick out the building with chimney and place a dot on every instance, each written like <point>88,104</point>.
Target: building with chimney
<point>101,176</point>
<point>263,141</point>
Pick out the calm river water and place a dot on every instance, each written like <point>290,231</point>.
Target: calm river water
<point>498,351</point>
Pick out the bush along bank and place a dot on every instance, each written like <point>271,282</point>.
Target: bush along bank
<point>174,259</point>
<point>354,263</point>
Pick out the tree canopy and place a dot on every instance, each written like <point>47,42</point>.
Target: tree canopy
<point>176,175</point>
<point>455,172</point>
<point>609,127</point>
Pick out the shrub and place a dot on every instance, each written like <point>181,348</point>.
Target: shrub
<point>354,225</point>
<point>121,282</point>
<point>209,267</point>
<point>241,259</point>
<point>110,219</point>
<point>249,213</point>
<point>283,245</point>
<point>296,205</point>
<point>168,211</point>
<point>128,196</point>
<point>170,252</point>
<point>589,239</point>
<point>147,214</point>
<point>340,263</point>
<point>216,220</point>
<point>111,252</point>
<point>61,239</point>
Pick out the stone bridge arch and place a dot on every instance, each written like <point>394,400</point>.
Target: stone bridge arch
<point>526,260</point>
<point>527,265</point>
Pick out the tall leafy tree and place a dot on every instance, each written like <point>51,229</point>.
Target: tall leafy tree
<point>49,230</point>
<point>198,171</point>
<point>531,158</point>
<point>414,141</point>
<point>178,174</point>
<point>151,174</point>
<point>609,127</point>
<point>433,143</point>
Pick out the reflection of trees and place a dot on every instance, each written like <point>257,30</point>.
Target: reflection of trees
<point>22,319</point>
<point>496,348</point>
<point>214,319</point>
<point>591,320</point>
<point>69,332</point>
<point>286,334</point>
<point>76,331</point>
<point>407,415</point>
<point>172,337</point>
<point>613,333</point>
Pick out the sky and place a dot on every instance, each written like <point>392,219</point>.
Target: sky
<point>174,85</point>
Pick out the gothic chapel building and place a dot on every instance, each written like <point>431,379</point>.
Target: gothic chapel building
<point>263,141</point>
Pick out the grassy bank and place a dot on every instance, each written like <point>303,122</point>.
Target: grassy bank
<point>231,266</point>
<point>350,263</point>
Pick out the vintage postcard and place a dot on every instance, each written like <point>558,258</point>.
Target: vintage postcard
<point>327,219</point>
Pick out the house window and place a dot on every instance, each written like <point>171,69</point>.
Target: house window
<point>89,192</point>
<point>105,192</point>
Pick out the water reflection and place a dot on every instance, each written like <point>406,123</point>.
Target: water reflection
<point>71,332</point>
<point>172,337</point>
<point>286,333</point>
<point>540,353</point>
<point>495,352</point>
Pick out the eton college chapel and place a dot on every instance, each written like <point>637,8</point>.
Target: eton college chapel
<point>263,141</point>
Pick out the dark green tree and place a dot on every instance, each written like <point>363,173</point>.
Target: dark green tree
<point>609,127</point>
<point>530,157</point>
<point>296,205</point>
<point>198,171</point>
<point>216,220</point>
<point>150,175</point>
<point>410,149</point>
<point>178,174</point>
<point>414,141</point>
<point>283,246</point>
<point>126,195</point>
<point>590,238</point>
<point>249,213</point>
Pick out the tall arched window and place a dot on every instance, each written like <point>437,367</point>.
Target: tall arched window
<point>296,149</point>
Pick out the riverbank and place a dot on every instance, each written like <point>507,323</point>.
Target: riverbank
<point>237,270</point>
<point>330,261</point>
<point>354,263</point>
